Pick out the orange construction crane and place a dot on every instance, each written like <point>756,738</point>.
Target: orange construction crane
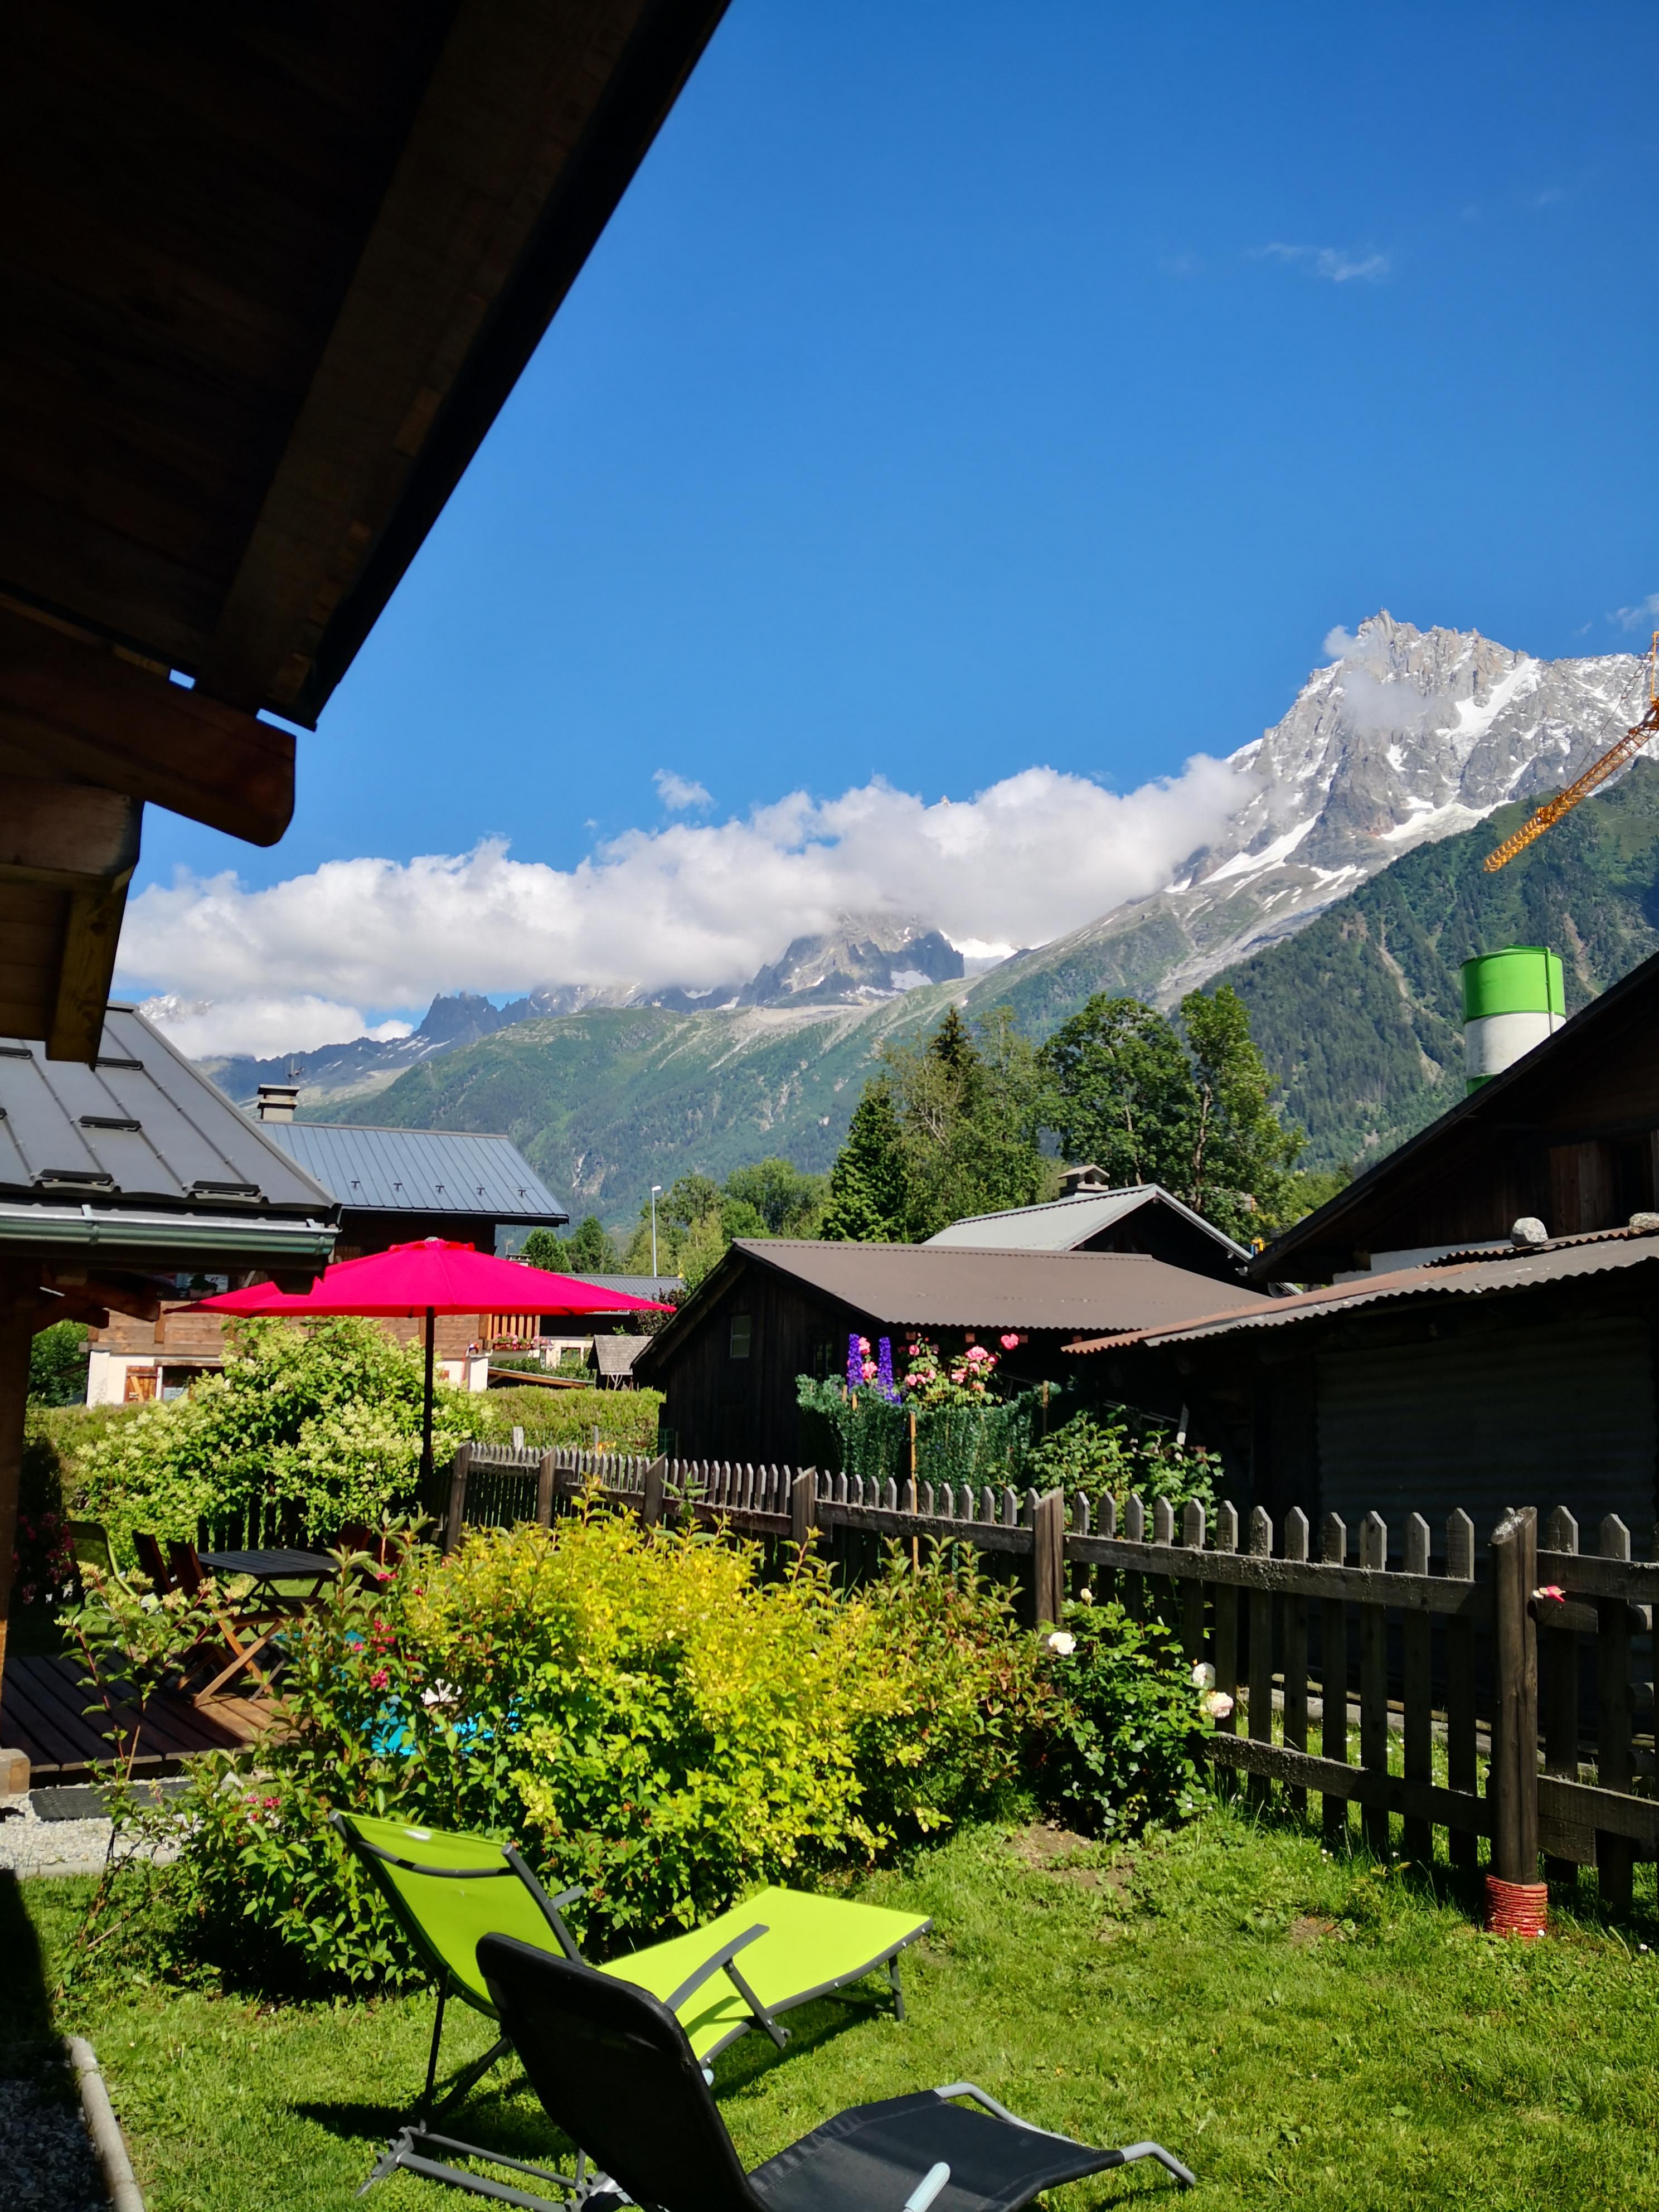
<point>1598,772</point>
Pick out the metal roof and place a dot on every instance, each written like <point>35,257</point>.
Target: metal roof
<point>632,1286</point>
<point>1062,1224</point>
<point>949,1286</point>
<point>1471,1275</point>
<point>141,1124</point>
<point>419,1170</point>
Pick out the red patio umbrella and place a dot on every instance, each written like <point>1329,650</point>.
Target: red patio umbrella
<point>430,1277</point>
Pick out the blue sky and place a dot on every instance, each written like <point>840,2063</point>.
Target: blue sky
<point>963,390</point>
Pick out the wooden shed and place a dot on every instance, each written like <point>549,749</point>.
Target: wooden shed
<point>1491,1378</point>
<point>776,1308</point>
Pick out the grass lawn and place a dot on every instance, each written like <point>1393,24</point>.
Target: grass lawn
<point>1301,2029</point>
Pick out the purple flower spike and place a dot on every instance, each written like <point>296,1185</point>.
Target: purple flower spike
<point>855,1363</point>
<point>884,1383</point>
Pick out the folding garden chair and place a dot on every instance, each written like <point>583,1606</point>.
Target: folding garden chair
<point>614,2069</point>
<point>447,1891</point>
<point>246,1633</point>
<point>90,1542</point>
<point>152,1562</point>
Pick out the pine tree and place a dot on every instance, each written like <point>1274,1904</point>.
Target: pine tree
<point>867,1181</point>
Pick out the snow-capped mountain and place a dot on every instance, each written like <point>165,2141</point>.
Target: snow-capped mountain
<point>1411,735</point>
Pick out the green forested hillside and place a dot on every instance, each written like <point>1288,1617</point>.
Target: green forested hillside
<point>1360,1015</point>
<point>603,1105</point>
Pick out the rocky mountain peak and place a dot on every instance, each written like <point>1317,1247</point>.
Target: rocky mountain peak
<point>1404,736</point>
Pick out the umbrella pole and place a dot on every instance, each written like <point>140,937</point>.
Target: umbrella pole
<point>426,1409</point>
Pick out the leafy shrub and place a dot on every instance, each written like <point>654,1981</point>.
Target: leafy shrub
<point>963,1436</point>
<point>58,1365</point>
<point>323,1421</point>
<point>1120,1750</point>
<point>966,1692</point>
<point>641,1713</point>
<point>1112,1457</point>
<point>626,1419</point>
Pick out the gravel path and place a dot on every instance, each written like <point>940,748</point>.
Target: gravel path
<point>46,2161</point>
<point>29,1844</point>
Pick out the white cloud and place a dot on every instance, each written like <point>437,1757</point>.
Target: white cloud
<point>701,905</point>
<point>1338,642</point>
<point>1645,615</point>
<point>263,1026</point>
<point>677,793</point>
<point>1333,263</point>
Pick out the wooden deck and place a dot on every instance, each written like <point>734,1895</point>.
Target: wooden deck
<point>42,1713</point>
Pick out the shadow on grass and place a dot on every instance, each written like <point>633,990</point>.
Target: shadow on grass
<point>504,2111</point>
<point>26,2028</point>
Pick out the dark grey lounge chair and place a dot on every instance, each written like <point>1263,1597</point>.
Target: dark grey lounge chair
<point>613,2068</point>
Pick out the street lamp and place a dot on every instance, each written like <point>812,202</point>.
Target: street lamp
<point>655,1189</point>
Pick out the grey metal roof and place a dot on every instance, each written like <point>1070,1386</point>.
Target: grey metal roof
<point>1474,1275</point>
<point>144,1125</point>
<point>948,1286</point>
<point>1063,1224</point>
<point>656,1287</point>
<point>419,1170</point>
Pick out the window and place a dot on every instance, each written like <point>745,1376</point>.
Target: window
<point>743,1336</point>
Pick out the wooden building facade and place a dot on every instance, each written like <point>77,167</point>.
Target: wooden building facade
<point>1509,1377</point>
<point>779,1308</point>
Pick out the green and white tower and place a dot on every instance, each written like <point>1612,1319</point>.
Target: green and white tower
<point>1512,1000</point>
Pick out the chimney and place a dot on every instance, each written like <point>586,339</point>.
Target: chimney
<point>1512,1000</point>
<point>1080,1182</point>
<point>277,1101</point>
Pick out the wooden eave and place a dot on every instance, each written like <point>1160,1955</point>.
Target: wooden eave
<point>268,278</point>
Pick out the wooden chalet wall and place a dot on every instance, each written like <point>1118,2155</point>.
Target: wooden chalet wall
<point>724,1407</point>
<point>1162,1234</point>
<point>1412,1407</point>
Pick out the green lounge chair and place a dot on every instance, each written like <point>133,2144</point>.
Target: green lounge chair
<point>448,1891</point>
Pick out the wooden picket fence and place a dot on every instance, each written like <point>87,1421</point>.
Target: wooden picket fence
<point>1443,1664</point>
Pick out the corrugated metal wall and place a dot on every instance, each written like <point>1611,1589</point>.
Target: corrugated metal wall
<point>1557,1414</point>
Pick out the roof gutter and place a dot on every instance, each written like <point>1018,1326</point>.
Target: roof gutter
<point>157,1235</point>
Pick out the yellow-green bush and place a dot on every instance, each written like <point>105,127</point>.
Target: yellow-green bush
<point>640,1711</point>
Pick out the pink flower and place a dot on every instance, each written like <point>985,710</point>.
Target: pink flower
<point>864,1344</point>
<point>380,1679</point>
<point>1553,1591</point>
<point>1010,1341</point>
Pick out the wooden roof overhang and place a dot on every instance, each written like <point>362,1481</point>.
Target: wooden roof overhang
<point>267,276</point>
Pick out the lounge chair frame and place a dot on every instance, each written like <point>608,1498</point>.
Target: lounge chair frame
<point>407,2147</point>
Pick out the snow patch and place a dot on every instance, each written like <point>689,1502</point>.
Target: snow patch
<point>1250,864</point>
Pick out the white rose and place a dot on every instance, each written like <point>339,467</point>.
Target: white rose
<point>1062,1642</point>
<point>1203,1675</point>
<point>1218,1704</point>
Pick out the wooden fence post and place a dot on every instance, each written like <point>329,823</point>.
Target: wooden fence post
<point>459,1468</point>
<point>547,1477</point>
<point>1614,1767</point>
<point>1260,1616</point>
<point>651,1496</point>
<point>804,1506</point>
<point>1462,1844</point>
<point>1558,1689</point>
<point>1513,1784</point>
<point>1418,1693</point>
<point>1048,1562</point>
<point>1334,1674</point>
